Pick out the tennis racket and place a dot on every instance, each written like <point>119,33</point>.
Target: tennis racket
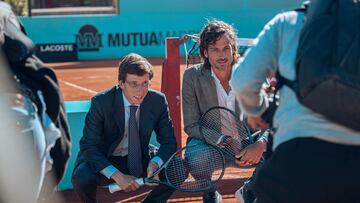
<point>192,168</point>
<point>223,128</point>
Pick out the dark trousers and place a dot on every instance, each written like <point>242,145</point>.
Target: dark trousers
<point>86,181</point>
<point>310,170</point>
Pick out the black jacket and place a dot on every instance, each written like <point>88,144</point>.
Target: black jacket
<point>105,124</point>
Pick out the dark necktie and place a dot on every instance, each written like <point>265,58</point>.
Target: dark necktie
<point>134,147</point>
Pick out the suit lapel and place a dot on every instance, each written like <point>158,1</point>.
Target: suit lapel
<point>119,114</point>
<point>146,116</point>
<point>209,87</point>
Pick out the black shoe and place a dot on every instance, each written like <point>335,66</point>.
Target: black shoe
<point>212,197</point>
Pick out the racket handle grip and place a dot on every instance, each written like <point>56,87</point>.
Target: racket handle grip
<point>113,187</point>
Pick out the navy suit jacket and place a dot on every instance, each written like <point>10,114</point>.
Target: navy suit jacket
<point>105,124</point>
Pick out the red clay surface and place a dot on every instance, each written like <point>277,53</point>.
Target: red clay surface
<point>82,80</point>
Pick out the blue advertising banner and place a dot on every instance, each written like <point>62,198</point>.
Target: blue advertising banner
<point>57,52</point>
<point>142,26</point>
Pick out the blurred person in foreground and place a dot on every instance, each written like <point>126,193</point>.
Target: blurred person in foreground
<point>117,132</point>
<point>312,155</point>
<point>36,104</point>
<point>20,169</point>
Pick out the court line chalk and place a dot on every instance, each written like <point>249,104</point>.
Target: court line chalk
<point>78,87</point>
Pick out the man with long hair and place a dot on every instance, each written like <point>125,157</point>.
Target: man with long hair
<point>206,85</point>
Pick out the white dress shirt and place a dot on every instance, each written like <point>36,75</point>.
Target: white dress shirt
<point>225,100</point>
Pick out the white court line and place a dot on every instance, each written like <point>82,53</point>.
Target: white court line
<point>78,87</point>
<point>133,197</point>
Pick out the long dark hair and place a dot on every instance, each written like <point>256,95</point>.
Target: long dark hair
<point>212,32</point>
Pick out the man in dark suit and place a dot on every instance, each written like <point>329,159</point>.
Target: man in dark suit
<point>117,133</point>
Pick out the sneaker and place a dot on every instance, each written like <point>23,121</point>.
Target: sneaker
<point>244,195</point>
<point>212,197</point>
<point>239,195</point>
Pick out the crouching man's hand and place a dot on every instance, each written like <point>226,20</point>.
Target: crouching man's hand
<point>152,167</point>
<point>126,182</point>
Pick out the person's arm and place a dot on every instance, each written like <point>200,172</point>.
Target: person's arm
<point>158,160</point>
<point>190,107</point>
<point>259,62</point>
<point>126,182</point>
<point>109,171</point>
<point>247,81</point>
<point>92,136</point>
<point>164,130</point>
<point>251,154</point>
<point>152,167</point>
<point>257,123</point>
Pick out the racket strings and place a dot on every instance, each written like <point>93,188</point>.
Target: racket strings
<point>224,130</point>
<point>231,124</point>
<point>198,169</point>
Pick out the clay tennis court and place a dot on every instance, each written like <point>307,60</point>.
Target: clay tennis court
<point>83,79</point>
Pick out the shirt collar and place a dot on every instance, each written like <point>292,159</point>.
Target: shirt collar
<point>126,101</point>
<point>214,76</point>
<point>218,84</point>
